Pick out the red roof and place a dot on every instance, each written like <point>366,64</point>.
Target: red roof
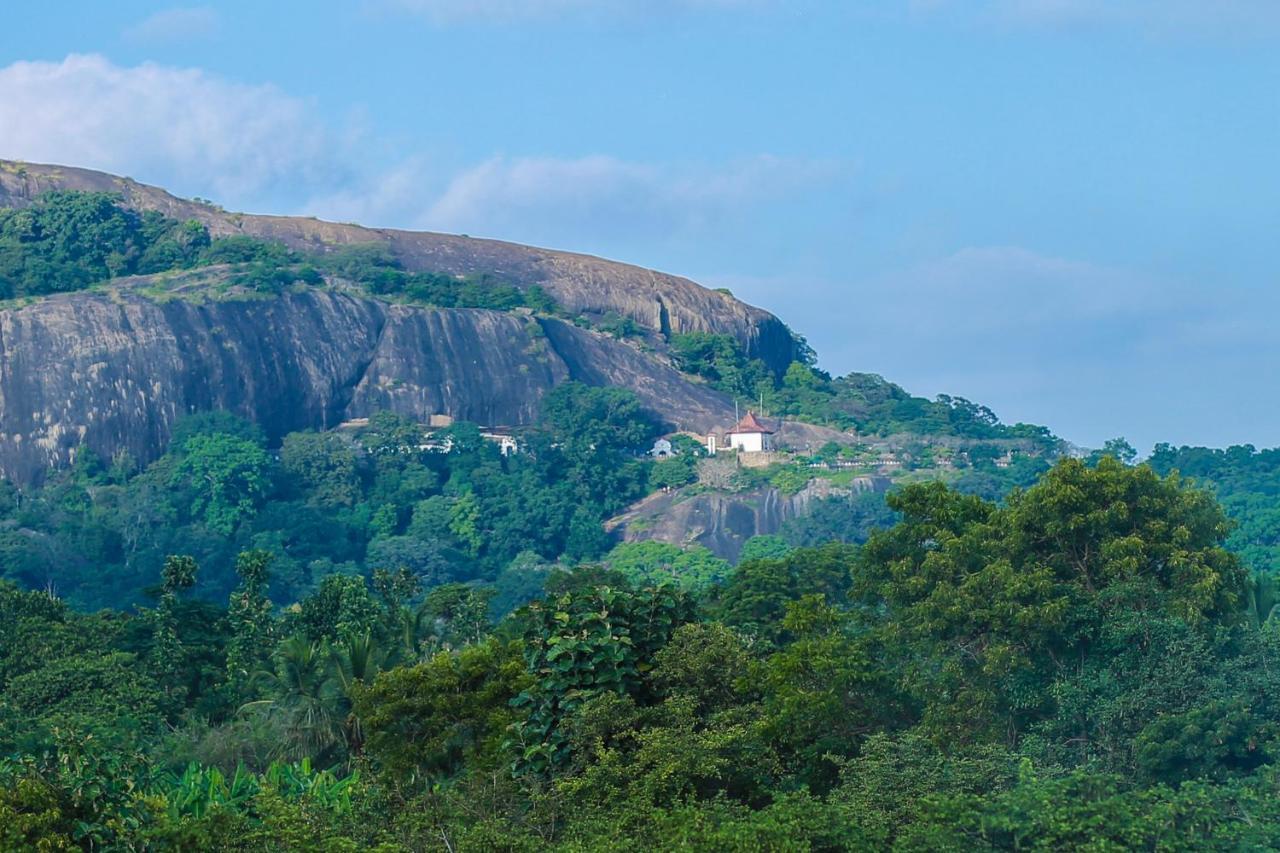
<point>750,424</point>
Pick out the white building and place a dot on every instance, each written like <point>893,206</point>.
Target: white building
<point>506,442</point>
<point>662,448</point>
<point>750,436</point>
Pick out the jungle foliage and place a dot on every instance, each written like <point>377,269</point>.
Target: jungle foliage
<point>1246,482</point>
<point>447,506</point>
<point>1080,666</point>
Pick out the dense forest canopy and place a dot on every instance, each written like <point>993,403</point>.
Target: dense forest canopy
<point>1246,482</point>
<point>347,502</point>
<point>1056,671</point>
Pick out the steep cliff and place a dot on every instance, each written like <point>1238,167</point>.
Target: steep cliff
<point>579,283</point>
<point>723,521</point>
<point>114,368</point>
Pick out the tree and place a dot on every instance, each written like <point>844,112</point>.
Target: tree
<point>212,423</point>
<point>325,465</point>
<point>430,561</point>
<point>756,596</point>
<point>304,697</point>
<point>228,479</point>
<point>464,522</point>
<point>764,546</point>
<point>581,645</point>
<point>430,720</point>
<point>341,608</point>
<point>459,613</point>
<point>706,663</point>
<point>720,360</point>
<point>988,606</point>
<point>826,691</point>
<point>1118,449</point>
<point>587,538</point>
<point>592,421</point>
<point>673,473</point>
<point>656,563</point>
<point>249,614</point>
<point>177,574</point>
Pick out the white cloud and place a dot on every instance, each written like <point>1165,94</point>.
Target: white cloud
<point>599,198</point>
<point>177,24</point>
<point>258,148</point>
<point>183,128</point>
<point>395,197</point>
<point>513,11</point>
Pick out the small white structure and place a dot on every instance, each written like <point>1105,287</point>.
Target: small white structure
<point>662,449</point>
<point>751,436</point>
<point>506,442</point>
<point>712,444</point>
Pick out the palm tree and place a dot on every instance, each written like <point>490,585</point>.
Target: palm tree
<point>354,661</point>
<point>412,630</point>
<point>306,699</point>
<point>1263,601</point>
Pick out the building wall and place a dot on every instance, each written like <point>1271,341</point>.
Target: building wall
<point>750,442</point>
<point>760,460</point>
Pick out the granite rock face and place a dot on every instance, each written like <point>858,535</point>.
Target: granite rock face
<point>723,521</point>
<point>579,283</point>
<point>114,369</point>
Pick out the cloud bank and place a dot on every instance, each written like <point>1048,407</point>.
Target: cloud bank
<point>537,198</point>
<point>183,128</point>
<point>256,147</point>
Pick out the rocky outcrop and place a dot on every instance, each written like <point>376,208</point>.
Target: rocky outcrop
<point>723,521</point>
<point>579,283</point>
<point>114,369</point>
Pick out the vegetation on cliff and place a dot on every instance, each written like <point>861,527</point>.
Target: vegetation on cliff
<point>859,401</point>
<point>70,240</point>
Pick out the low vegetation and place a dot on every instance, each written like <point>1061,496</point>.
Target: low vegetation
<point>70,240</point>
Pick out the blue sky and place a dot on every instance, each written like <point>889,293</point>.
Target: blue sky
<point>1064,209</point>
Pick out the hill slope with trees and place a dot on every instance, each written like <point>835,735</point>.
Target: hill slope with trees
<point>345,627</point>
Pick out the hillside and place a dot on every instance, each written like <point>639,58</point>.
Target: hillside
<point>173,377</point>
<point>303,540</point>
<point>578,283</point>
<point>114,366</point>
<point>114,370</point>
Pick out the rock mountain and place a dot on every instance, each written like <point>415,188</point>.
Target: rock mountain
<point>115,367</point>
